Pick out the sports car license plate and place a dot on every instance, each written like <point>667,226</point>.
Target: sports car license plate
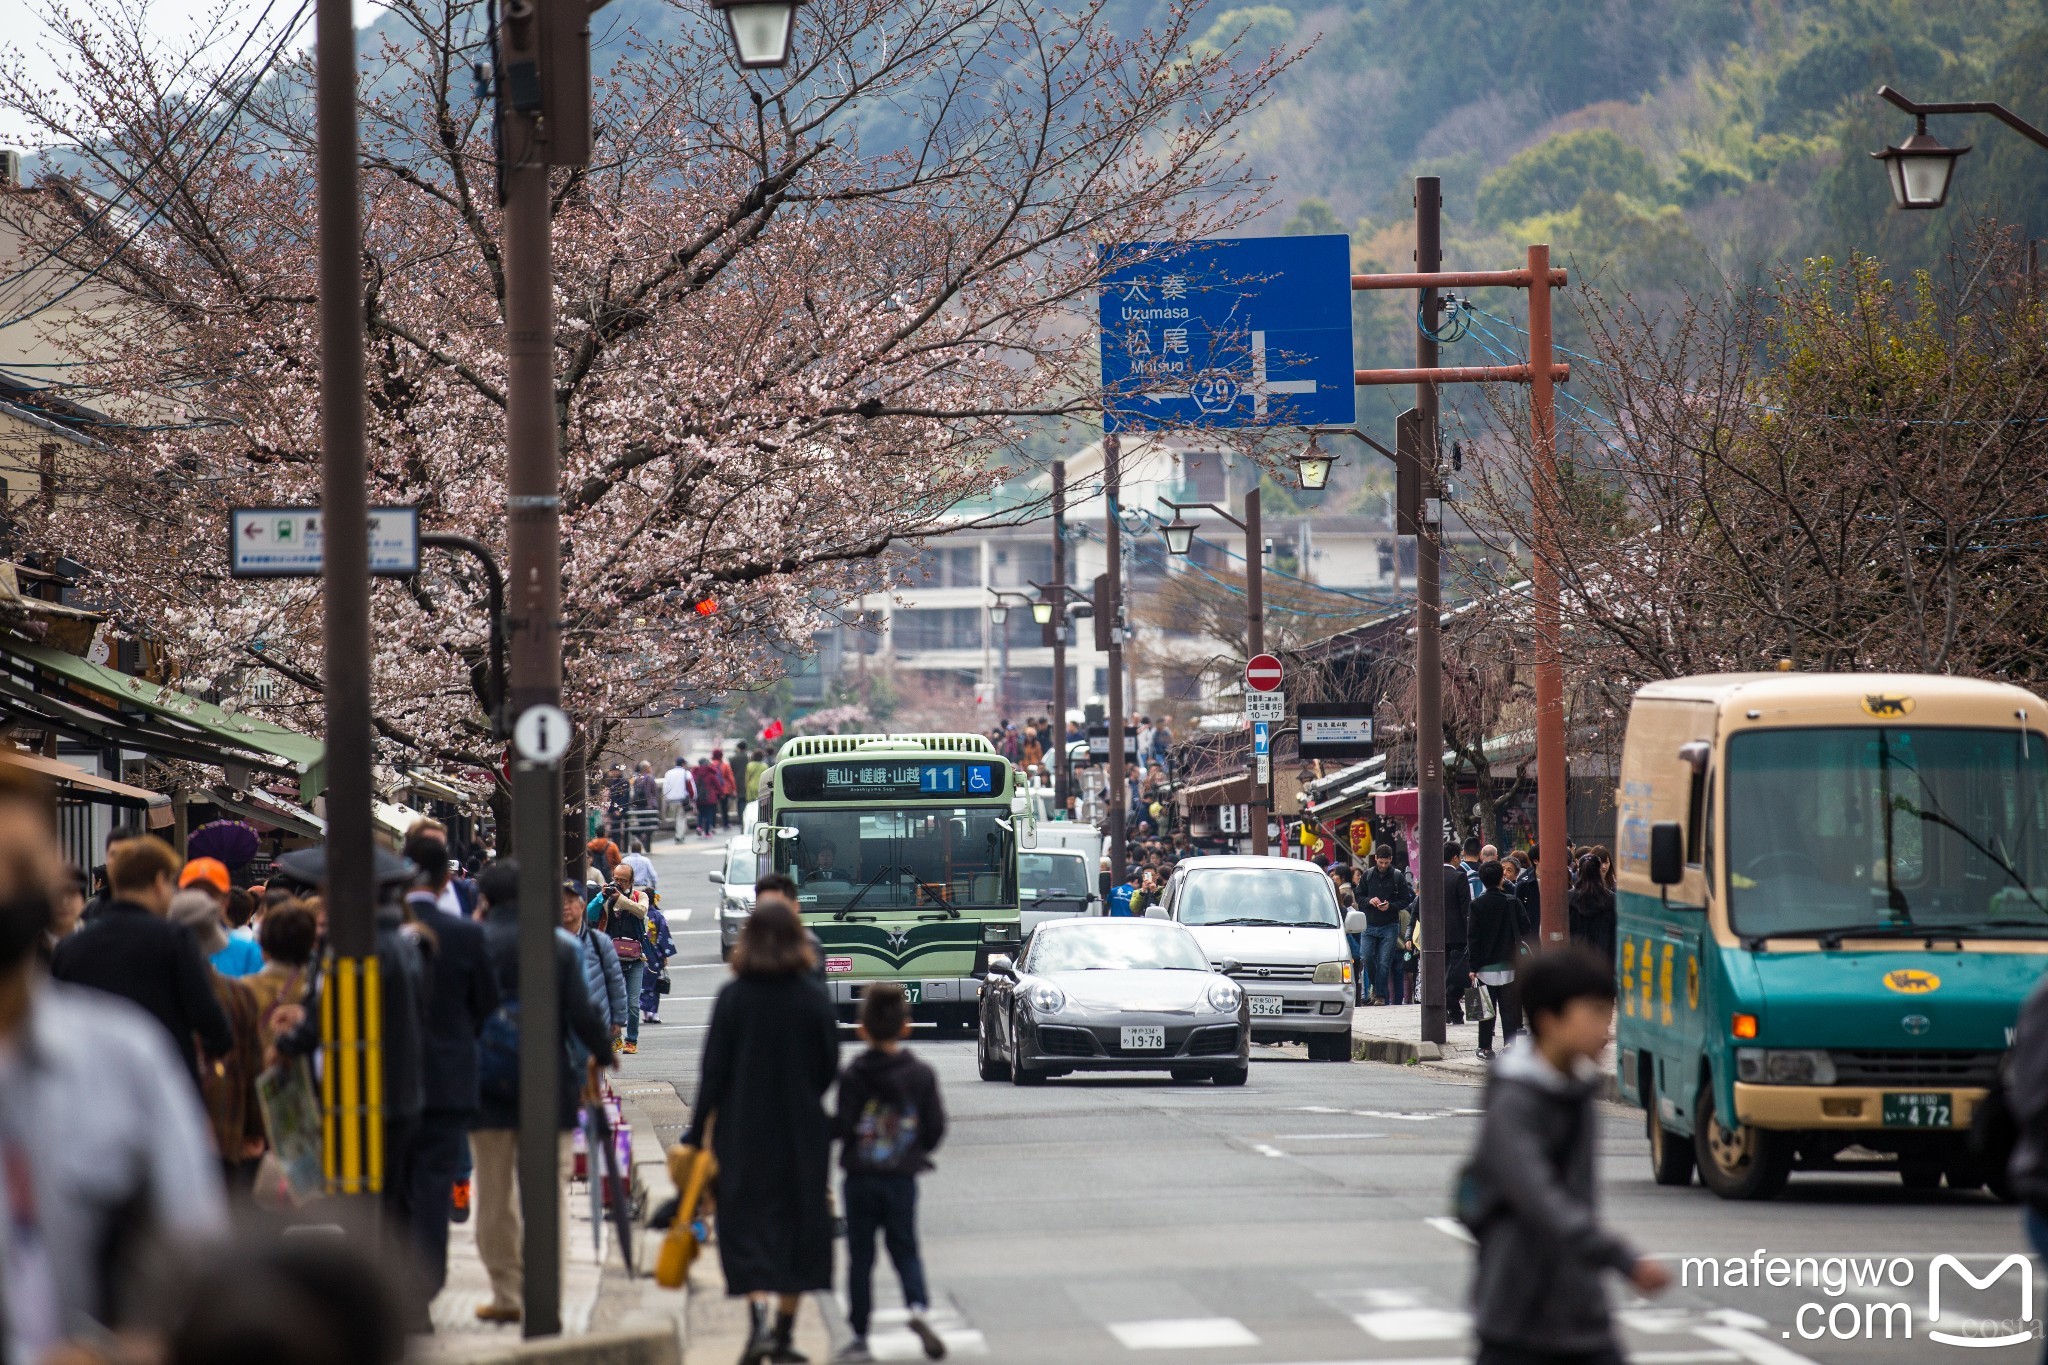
<point>1266,1005</point>
<point>1145,1039</point>
<point>1914,1110</point>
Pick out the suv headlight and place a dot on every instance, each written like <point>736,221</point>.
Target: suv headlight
<point>1224,997</point>
<point>1784,1066</point>
<point>1334,973</point>
<point>1046,998</point>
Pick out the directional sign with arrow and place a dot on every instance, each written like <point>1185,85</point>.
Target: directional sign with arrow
<point>285,542</point>
<point>1227,332</point>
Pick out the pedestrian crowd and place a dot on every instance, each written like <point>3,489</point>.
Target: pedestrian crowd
<point>160,1041</point>
<point>1492,914</point>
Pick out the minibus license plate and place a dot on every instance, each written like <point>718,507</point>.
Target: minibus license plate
<point>1264,1006</point>
<point>1150,1038</point>
<point>1915,1110</point>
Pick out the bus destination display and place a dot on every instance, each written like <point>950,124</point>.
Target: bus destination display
<point>878,780</point>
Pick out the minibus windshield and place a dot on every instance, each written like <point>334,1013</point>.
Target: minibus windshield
<point>1888,828</point>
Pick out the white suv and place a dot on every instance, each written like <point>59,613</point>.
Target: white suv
<point>1273,924</point>
<point>736,898</point>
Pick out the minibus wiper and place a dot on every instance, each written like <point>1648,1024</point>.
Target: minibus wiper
<point>1832,938</point>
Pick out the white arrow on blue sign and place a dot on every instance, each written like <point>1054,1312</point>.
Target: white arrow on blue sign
<point>1229,332</point>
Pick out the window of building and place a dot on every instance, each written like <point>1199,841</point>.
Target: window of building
<point>922,628</point>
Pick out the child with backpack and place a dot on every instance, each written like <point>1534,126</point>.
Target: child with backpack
<point>889,1121</point>
<point>1526,1195</point>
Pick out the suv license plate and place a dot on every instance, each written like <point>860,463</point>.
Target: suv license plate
<point>1265,1006</point>
<point>1914,1110</point>
<point>1150,1038</point>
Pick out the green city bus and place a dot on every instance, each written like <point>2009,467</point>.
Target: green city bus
<point>904,852</point>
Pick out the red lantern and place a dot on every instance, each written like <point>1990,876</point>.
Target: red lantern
<point>708,607</point>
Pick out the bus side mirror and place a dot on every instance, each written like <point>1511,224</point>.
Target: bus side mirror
<point>1667,853</point>
<point>764,840</point>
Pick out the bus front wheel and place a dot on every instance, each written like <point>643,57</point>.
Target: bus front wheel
<point>1738,1162</point>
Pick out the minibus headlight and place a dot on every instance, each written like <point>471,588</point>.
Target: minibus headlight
<point>1784,1066</point>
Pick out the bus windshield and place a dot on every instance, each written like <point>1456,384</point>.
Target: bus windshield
<point>856,861</point>
<point>1888,829</point>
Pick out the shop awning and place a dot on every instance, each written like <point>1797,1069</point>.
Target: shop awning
<point>94,702</point>
<point>260,807</point>
<point>393,820</point>
<point>1234,789</point>
<point>442,788</point>
<point>81,785</point>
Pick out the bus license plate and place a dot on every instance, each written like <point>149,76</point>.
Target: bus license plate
<point>1913,1110</point>
<point>913,992</point>
<point>1148,1038</point>
<point>1265,1006</point>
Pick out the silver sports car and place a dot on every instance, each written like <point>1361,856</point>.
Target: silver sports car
<point>1111,995</point>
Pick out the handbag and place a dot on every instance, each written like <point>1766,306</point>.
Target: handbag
<point>1479,1003</point>
<point>661,983</point>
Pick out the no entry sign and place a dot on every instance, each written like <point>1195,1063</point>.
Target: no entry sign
<point>1262,673</point>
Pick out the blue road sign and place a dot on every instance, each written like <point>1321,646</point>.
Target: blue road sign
<point>1261,737</point>
<point>1232,332</point>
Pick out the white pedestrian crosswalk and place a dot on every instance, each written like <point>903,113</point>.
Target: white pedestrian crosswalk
<point>1395,1325</point>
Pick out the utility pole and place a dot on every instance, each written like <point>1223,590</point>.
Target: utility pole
<point>543,89</point>
<point>1118,795</point>
<point>1255,639</point>
<point>1550,737</point>
<point>1058,627</point>
<point>349,1031</point>
<point>1429,677</point>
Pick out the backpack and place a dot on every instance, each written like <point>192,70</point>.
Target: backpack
<point>497,1055</point>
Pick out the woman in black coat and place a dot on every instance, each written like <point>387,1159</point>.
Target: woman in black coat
<point>772,1053</point>
<point>1592,909</point>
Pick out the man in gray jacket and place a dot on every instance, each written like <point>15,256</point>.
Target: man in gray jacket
<point>1527,1194</point>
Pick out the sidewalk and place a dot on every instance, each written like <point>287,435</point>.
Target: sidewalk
<point>1393,1033</point>
<point>600,1304</point>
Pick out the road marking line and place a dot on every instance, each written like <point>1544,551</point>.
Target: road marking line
<point>1452,1228</point>
<point>1263,1150</point>
<point>1750,1346</point>
<point>1182,1334</point>
<point>1415,1324</point>
<point>1323,1137</point>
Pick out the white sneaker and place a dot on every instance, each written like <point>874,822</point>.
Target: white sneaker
<point>854,1352</point>
<point>934,1347</point>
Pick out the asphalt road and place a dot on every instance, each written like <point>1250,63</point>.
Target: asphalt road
<point>1302,1218</point>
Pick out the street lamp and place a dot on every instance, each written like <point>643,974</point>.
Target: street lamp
<point>760,30</point>
<point>1041,612</point>
<point>1180,539</point>
<point>1312,467</point>
<point>998,614</point>
<point>1180,535</point>
<point>1922,166</point>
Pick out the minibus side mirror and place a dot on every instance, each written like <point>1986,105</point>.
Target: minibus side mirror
<point>1667,853</point>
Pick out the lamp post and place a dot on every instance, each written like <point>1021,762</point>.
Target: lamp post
<point>1050,611</point>
<point>1180,539</point>
<point>999,617</point>
<point>1922,166</point>
<point>542,55</point>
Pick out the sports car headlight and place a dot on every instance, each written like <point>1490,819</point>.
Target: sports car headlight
<point>1224,997</point>
<point>1334,973</point>
<point>1045,998</point>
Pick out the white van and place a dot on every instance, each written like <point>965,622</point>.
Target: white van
<point>1054,883</point>
<point>1083,839</point>
<point>1274,926</point>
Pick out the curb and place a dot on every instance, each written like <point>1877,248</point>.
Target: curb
<point>1397,1051</point>
<point>651,1346</point>
<point>1410,1052</point>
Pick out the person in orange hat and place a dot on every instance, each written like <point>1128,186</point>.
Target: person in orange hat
<point>240,957</point>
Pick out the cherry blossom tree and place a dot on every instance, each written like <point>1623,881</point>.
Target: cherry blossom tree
<point>802,315</point>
